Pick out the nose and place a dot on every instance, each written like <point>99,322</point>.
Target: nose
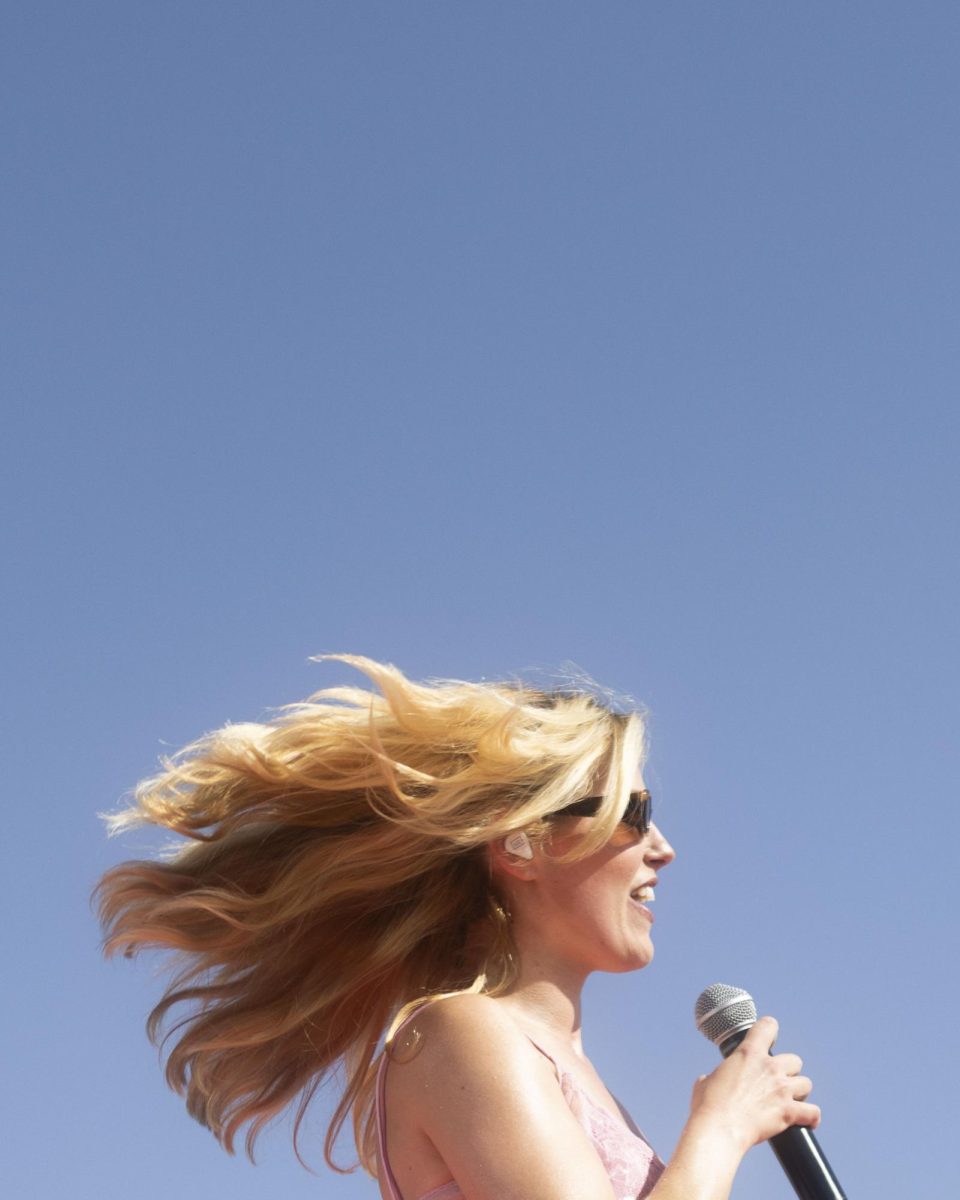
<point>659,852</point>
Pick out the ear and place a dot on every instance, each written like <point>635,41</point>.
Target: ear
<point>513,855</point>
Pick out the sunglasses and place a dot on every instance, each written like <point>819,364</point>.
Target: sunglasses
<point>638,816</point>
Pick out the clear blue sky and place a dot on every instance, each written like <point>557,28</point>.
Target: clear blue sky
<point>479,337</point>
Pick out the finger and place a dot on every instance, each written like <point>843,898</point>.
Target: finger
<point>790,1064</point>
<point>805,1114</point>
<point>762,1035</point>
<point>800,1087</point>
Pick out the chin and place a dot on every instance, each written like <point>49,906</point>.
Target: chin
<point>624,962</point>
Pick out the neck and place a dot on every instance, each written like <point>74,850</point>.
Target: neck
<point>547,995</point>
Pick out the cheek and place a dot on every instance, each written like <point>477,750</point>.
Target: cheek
<point>598,886</point>
<point>599,897</point>
<point>624,836</point>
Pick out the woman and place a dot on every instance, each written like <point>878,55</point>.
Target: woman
<point>443,864</point>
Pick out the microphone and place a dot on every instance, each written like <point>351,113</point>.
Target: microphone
<point>723,1015</point>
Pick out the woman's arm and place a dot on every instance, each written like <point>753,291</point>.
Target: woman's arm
<point>488,1103</point>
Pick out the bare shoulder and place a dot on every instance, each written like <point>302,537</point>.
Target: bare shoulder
<point>458,1036</point>
<point>464,1009</point>
<point>479,1096</point>
<point>464,1021</point>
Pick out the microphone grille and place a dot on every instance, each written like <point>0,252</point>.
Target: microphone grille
<point>723,1010</point>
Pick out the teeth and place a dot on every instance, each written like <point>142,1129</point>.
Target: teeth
<point>645,894</point>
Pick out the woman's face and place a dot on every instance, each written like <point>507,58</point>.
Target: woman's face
<point>594,914</point>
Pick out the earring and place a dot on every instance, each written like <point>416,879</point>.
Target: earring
<point>518,843</point>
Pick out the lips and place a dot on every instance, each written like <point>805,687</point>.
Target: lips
<point>641,896</point>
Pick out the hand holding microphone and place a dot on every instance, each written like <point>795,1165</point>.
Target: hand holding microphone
<point>758,1095</point>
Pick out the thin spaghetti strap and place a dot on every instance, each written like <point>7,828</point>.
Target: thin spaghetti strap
<point>382,1130</point>
<point>549,1057</point>
<point>381,1112</point>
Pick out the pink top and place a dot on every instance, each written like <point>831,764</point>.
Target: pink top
<point>629,1159</point>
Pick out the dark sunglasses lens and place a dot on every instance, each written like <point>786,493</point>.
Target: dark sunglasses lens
<point>640,811</point>
<point>638,816</point>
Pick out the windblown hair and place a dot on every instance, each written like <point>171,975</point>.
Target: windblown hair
<point>336,874</point>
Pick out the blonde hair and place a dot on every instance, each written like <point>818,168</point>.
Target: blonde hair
<point>336,875</point>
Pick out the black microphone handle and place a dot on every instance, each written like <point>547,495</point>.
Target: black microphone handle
<point>798,1151</point>
<point>805,1164</point>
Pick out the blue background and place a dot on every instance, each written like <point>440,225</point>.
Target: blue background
<point>479,337</point>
